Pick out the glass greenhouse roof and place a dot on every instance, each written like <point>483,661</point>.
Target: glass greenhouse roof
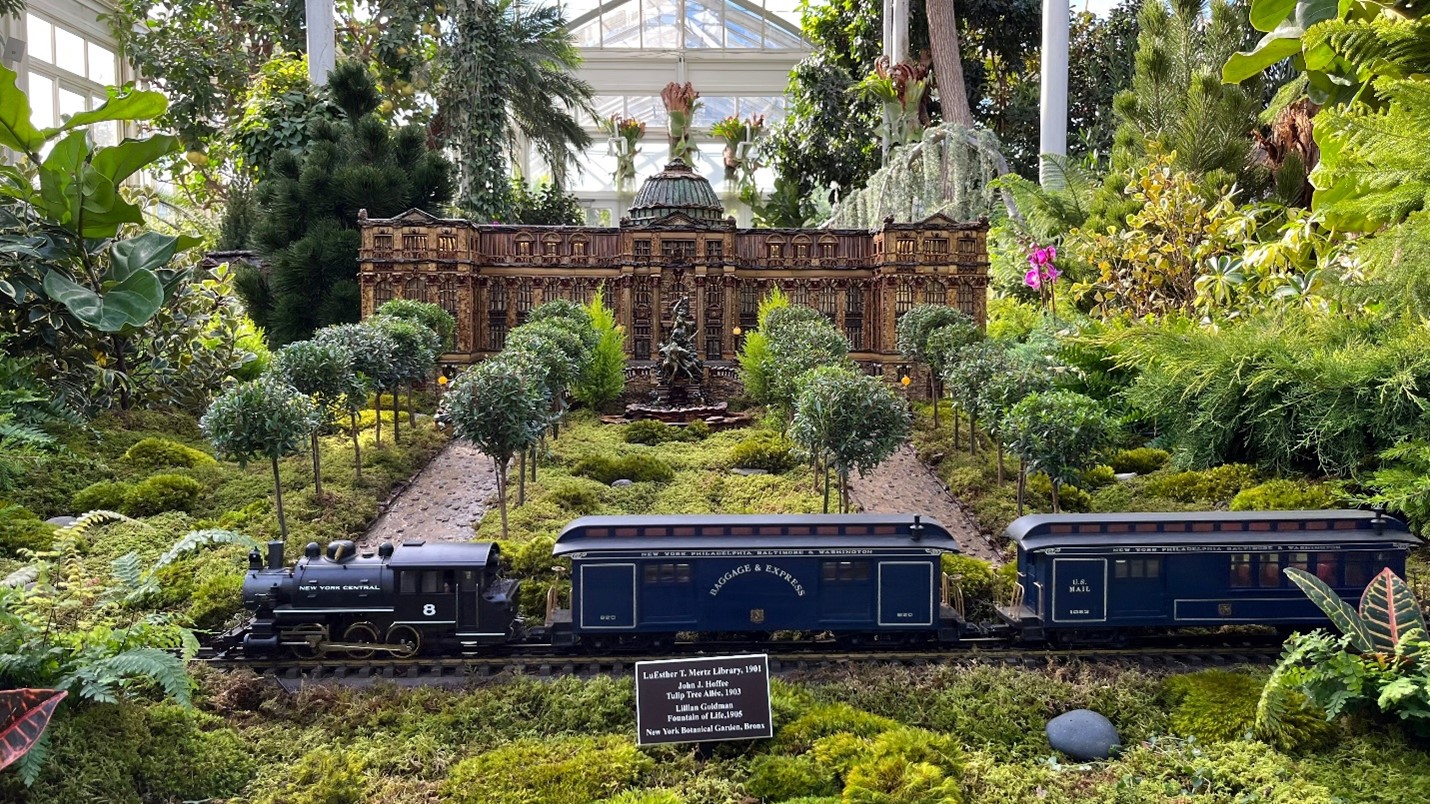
<point>686,24</point>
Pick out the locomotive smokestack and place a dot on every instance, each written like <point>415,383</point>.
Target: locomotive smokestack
<point>916,530</point>
<point>275,555</point>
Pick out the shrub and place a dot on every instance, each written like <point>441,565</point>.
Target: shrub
<point>22,530</point>
<point>777,778</point>
<point>1097,477</point>
<point>1208,486</point>
<point>649,431</point>
<point>160,493</point>
<point>161,453</point>
<point>106,495</point>
<point>576,495</point>
<point>1286,495</point>
<point>567,770</point>
<point>978,584</point>
<point>637,468</point>
<point>1142,460</point>
<point>697,430</point>
<point>764,450</point>
<point>1214,706</point>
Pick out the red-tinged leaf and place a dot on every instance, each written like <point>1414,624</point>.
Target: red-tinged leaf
<point>1390,611</point>
<point>23,717</point>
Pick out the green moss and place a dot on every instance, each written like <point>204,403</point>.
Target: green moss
<point>636,468</point>
<point>160,493</point>
<point>1142,460</point>
<point>764,450</point>
<point>322,776</point>
<point>161,453</point>
<point>1214,705</point>
<point>1225,772</point>
<point>571,770</point>
<point>51,481</point>
<point>1288,495</point>
<point>832,718</point>
<point>774,777</point>
<point>21,529</point>
<point>1210,486</point>
<point>106,495</point>
<point>576,495</point>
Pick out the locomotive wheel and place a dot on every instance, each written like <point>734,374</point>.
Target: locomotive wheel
<point>364,633</point>
<point>405,640</point>
<point>314,641</point>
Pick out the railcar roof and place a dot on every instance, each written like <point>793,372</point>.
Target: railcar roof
<point>441,554</point>
<point>1043,531</point>
<point>751,532</point>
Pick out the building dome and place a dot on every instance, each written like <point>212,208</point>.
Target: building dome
<point>676,189</point>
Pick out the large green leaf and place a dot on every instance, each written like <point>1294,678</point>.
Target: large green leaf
<point>146,252</point>
<point>1390,611</point>
<point>119,162</point>
<point>1340,612</point>
<point>85,304</point>
<point>123,104</point>
<point>132,302</point>
<point>1266,15</point>
<point>1282,41</point>
<point>16,130</point>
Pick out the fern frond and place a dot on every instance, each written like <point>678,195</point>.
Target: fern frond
<point>1387,46</point>
<point>34,760</point>
<point>161,667</point>
<point>90,519</point>
<point>18,435</point>
<point>196,539</point>
<point>128,571</point>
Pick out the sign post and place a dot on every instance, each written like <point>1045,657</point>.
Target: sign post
<point>703,700</point>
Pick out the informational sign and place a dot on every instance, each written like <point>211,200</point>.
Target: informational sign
<point>703,700</point>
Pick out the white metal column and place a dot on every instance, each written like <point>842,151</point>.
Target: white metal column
<point>1053,118</point>
<point>320,40</point>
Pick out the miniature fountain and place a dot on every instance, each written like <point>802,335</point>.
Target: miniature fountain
<point>679,395</point>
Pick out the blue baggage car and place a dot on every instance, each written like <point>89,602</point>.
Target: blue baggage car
<point>1097,575</point>
<point>638,580</point>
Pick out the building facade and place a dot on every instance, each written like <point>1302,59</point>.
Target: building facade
<point>675,242</point>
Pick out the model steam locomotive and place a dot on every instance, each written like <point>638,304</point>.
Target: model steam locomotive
<point>638,582</point>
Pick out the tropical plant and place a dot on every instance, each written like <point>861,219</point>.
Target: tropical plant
<point>265,418</point>
<point>915,339</point>
<point>502,410</point>
<point>308,229</point>
<point>509,72</point>
<point>370,349</point>
<point>850,420</point>
<point>603,377</point>
<point>681,103</point>
<point>1058,433</point>
<point>24,714</point>
<point>1018,373</point>
<point>627,133</point>
<point>279,111</point>
<point>544,204</point>
<point>324,372</point>
<point>902,89</point>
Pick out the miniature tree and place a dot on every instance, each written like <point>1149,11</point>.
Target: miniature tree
<point>853,420</point>
<point>263,418</point>
<point>1057,433</point>
<point>371,352</point>
<point>754,356</point>
<point>569,316</point>
<point>427,314</point>
<point>502,410</point>
<point>927,334</point>
<point>603,377</point>
<point>555,357</point>
<point>324,372</point>
<point>415,349</point>
<point>1016,374</point>
<point>967,372</point>
<point>796,348</point>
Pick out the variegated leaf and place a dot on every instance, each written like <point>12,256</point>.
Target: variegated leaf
<point>1390,611</point>
<point>24,714</point>
<point>1340,612</point>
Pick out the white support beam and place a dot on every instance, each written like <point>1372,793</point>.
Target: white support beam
<point>321,56</point>
<point>1053,117</point>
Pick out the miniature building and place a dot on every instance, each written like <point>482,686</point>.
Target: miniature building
<point>674,243</point>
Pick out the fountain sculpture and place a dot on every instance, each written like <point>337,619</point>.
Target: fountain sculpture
<point>679,394</point>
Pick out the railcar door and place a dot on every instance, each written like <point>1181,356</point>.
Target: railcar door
<point>667,593</point>
<point>906,593</point>
<point>426,597</point>
<point>469,591</point>
<point>1138,587</point>
<point>1079,593</point>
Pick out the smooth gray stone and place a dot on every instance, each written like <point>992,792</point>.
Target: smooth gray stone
<point>1082,734</point>
<point>622,483</point>
<point>747,472</point>
<point>62,521</point>
<point>1124,476</point>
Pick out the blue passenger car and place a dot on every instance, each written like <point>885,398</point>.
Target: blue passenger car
<point>1091,574</point>
<point>639,578</point>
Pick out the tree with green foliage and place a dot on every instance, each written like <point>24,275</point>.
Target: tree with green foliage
<point>500,409</point>
<point>603,378</point>
<point>570,316</point>
<point>509,72</point>
<point>265,418</point>
<point>307,232</point>
<point>370,349</point>
<point>797,348</point>
<point>415,350</point>
<point>967,372</point>
<point>754,351</point>
<point>914,338</point>
<point>427,314</point>
<point>279,112</point>
<point>1058,433</point>
<point>544,204</point>
<point>324,372</point>
<point>850,420</point>
<point>1018,372</point>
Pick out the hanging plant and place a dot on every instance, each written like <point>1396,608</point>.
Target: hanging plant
<point>625,134</point>
<point>739,161</point>
<point>903,89</point>
<point>681,102</point>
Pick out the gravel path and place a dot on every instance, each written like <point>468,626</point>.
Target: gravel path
<point>445,501</point>
<point>903,484</point>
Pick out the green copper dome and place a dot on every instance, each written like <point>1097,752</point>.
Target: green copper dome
<point>680,189</point>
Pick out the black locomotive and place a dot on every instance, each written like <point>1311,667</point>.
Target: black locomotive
<point>638,582</point>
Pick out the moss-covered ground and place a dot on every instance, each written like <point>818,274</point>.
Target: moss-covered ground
<point>958,732</point>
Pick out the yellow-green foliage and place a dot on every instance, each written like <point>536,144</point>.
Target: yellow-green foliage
<point>1233,772</point>
<point>1142,460</point>
<point>1215,485</point>
<point>323,776</point>
<point>106,495</point>
<point>1384,766</point>
<point>1097,477</point>
<point>22,530</point>
<point>577,495</point>
<point>907,766</point>
<point>775,777</point>
<point>982,587</point>
<point>1287,495</point>
<point>1070,498</point>
<point>646,797</point>
<point>653,432</point>
<point>160,493</point>
<point>161,453</point>
<point>827,719</point>
<point>765,450</point>
<point>569,770</point>
<point>1214,705</point>
<point>636,468</point>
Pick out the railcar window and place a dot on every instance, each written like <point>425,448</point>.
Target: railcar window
<point>844,571</point>
<point>1270,575</point>
<point>407,582</point>
<point>1240,570</point>
<point>436,582</point>
<point>667,573</point>
<point>1300,561</point>
<point>1358,570</point>
<point>469,581</point>
<point>1145,568</point>
<point>1328,568</point>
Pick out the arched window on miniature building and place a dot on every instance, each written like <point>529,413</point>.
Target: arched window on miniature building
<point>447,243</point>
<point>525,297</point>
<point>904,299</point>
<point>578,248</point>
<point>714,325</point>
<point>965,297</point>
<point>799,294</point>
<point>800,248</point>
<point>414,243</point>
<point>551,246</point>
<point>381,293</point>
<point>775,248</point>
<point>523,245</point>
<point>935,292</point>
<point>415,289</point>
<point>828,248</point>
<point>382,243</point>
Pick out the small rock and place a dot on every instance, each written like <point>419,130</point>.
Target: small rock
<point>622,483</point>
<point>1125,476</point>
<point>1082,734</point>
<point>61,521</point>
<point>747,472</point>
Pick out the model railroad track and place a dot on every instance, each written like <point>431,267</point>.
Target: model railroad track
<point>542,662</point>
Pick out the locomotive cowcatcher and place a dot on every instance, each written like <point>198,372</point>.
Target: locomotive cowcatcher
<point>440,596</point>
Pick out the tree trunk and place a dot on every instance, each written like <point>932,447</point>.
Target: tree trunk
<point>956,419</point>
<point>121,365</point>
<point>278,493</point>
<point>534,453</point>
<point>1056,508</point>
<point>377,408</point>
<point>1000,461</point>
<point>521,480</point>
<point>357,449</point>
<point>317,470</point>
<point>826,489</point>
<point>972,434</point>
<point>843,490</point>
<point>933,394</point>
<point>501,492</point>
<point>411,407</point>
<point>1022,484</point>
<point>948,63</point>
<point>396,416</point>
